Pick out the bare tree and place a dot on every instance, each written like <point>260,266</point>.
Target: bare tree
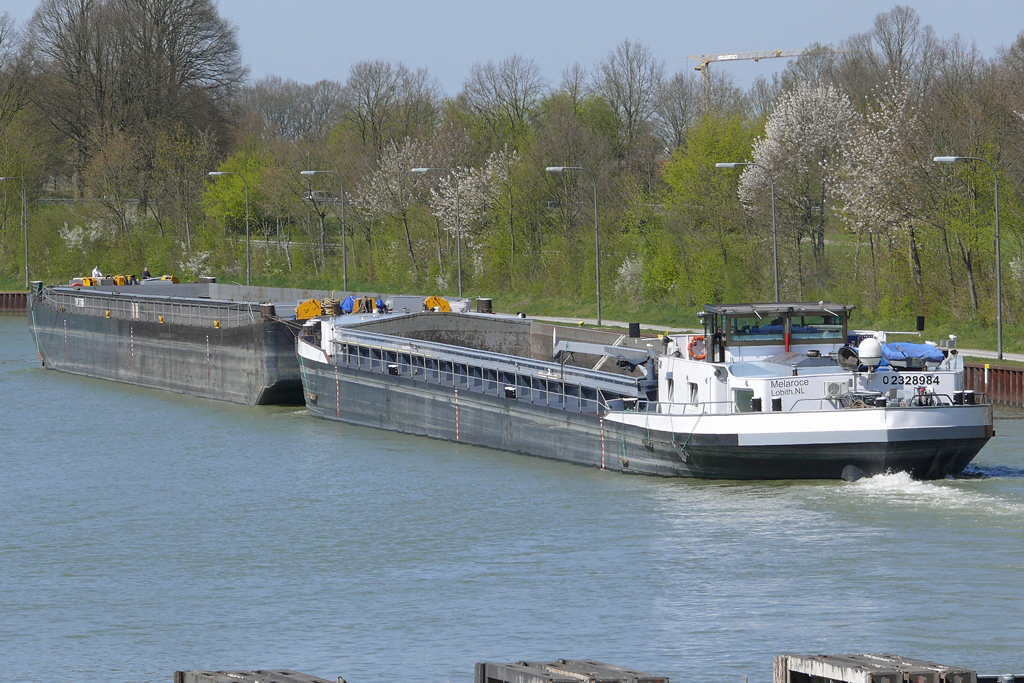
<point>112,176</point>
<point>763,95</point>
<point>176,55</point>
<point>371,96</point>
<point>897,34</point>
<point>131,66</point>
<point>725,97</point>
<point>678,107</point>
<point>387,102</point>
<point>13,72</point>
<point>504,94</point>
<point>630,79</point>
<point>70,53</point>
<point>418,105</point>
<point>294,111</point>
<point>574,83</point>
<point>815,66</point>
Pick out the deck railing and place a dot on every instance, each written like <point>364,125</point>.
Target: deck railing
<point>154,309</point>
<point>548,384</point>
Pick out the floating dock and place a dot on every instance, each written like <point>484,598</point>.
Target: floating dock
<point>847,668</point>
<point>866,668</point>
<point>259,676</point>
<point>562,671</point>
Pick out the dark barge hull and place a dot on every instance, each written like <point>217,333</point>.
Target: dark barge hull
<point>222,350</point>
<point>412,406</point>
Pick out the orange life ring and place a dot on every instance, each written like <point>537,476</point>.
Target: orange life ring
<point>693,341</point>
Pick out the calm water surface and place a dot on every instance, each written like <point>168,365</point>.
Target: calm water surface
<point>143,532</point>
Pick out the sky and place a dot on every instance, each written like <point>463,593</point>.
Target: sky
<point>310,40</point>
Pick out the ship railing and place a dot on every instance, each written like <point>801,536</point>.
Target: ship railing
<point>142,308</point>
<point>922,400</point>
<point>483,372</point>
<point>682,408</point>
<point>803,405</point>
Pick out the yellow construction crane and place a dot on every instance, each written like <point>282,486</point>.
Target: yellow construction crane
<point>704,61</point>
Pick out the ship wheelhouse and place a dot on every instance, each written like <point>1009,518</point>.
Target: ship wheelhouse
<point>755,331</point>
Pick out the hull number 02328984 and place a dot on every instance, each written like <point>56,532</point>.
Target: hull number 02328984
<point>916,380</point>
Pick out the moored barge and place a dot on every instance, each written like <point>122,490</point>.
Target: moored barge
<point>209,340</point>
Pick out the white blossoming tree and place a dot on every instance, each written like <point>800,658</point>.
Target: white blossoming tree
<point>391,189</point>
<point>805,134</point>
<point>874,182</point>
<point>479,191</point>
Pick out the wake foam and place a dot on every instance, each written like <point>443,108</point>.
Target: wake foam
<point>901,489</point>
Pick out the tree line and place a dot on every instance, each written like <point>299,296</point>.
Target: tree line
<point>114,112</point>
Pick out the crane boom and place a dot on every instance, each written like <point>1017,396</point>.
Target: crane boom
<point>704,60</point>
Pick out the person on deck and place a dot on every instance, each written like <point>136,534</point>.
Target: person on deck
<point>96,273</point>
<point>145,273</point>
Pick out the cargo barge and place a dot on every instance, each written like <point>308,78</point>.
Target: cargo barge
<point>768,391</point>
<point>209,340</point>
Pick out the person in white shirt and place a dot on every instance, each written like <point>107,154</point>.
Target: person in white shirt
<point>96,273</point>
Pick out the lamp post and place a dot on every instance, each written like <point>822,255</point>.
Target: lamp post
<point>247,257</point>
<point>344,254</point>
<point>999,282</point>
<point>775,237</point>
<point>597,234</point>
<point>24,220</point>
<point>458,224</point>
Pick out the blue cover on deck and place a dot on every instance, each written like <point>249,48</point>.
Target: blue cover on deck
<point>904,351</point>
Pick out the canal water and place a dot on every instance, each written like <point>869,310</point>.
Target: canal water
<point>143,532</point>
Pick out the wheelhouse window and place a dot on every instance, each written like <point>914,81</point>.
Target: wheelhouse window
<point>818,327</point>
<point>754,330</point>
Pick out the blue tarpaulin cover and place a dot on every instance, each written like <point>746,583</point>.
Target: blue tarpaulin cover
<point>903,351</point>
<point>348,304</point>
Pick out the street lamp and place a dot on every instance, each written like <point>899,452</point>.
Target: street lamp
<point>775,238</point>
<point>597,234</point>
<point>24,220</point>
<point>247,257</point>
<point>999,281</point>
<point>344,255</point>
<point>458,224</point>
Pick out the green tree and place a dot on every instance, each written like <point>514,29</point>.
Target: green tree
<point>705,220</point>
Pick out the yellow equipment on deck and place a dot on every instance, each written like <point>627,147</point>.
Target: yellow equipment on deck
<point>310,308</point>
<point>363,304</point>
<point>437,302</point>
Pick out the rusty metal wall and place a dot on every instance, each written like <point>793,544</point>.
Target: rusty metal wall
<point>13,302</point>
<point>1003,383</point>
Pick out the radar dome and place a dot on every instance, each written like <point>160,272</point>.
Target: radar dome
<point>870,352</point>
